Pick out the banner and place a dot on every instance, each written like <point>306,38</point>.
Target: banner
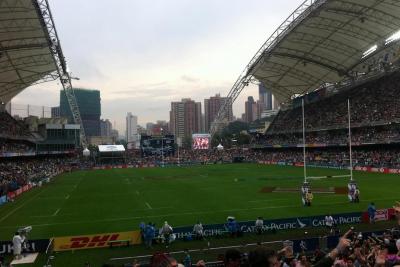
<point>273,225</point>
<point>3,200</point>
<point>39,245</point>
<point>380,170</point>
<point>380,215</point>
<point>19,191</point>
<point>94,241</point>
<point>357,168</point>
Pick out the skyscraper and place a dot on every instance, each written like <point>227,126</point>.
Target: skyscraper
<point>88,101</point>
<point>131,132</point>
<point>185,118</point>
<point>55,112</point>
<point>250,109</point>
<point>265,97</point>
<point>211,108</point>
<point>105,128</point>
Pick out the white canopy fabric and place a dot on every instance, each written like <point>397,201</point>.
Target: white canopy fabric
<point>321,42</point>
<point>25,48</point>
<point>111,148</point>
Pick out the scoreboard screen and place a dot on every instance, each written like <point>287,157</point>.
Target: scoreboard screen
<point>201,141</point>
<point>157,145</point>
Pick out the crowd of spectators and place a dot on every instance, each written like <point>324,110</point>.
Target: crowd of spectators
<point>364,135</point>
<point>380,157</point>
<point>8,146</point>
<point>375,102</point>
<point>9,127</point>
<point>15,173</point>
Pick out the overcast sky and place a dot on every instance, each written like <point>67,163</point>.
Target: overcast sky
<point>144,54</point>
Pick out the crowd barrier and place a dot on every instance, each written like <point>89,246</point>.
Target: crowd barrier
<point>289,223</point>
<point>19,191</point>
<point>95,241</point>
<point>3,200</point>
<point>12,195</point>
<point>379,170</point>
<point>282,163</point>
<point>79,242</point>
<point>357,168</point>
<point>274,225</point>
<point>38,245</point>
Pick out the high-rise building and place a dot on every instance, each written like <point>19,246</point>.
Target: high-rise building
<point>177,119</point>
<point>105,128</point>
<point>115,134</point>
<point>89,106</point>
<point>131,133</point>
<point>211,108</point>
<point>265,97</point>
<point>149,128</point>
<point>55,112</point>
<point>250,109</point>
<point>185,118</point>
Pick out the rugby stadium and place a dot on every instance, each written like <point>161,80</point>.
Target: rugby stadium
<point>316,184</point>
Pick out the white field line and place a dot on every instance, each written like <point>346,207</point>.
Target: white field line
<point>190,213</point>
<point>77,184</point>
<point>148,205</point>
<point>137,192</point>
<point>20,206</point>
<point>77,214</point>
<point>67,196</point>
<point>56,212</point>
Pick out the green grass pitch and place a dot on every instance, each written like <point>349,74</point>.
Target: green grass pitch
<point>89,202</point>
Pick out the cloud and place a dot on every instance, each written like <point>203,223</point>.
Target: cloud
<point>189,79</point>
<point>168,51</point>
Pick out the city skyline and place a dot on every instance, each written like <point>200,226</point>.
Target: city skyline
<point>163,53</point>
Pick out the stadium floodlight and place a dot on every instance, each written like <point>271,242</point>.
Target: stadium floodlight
<point>393,37</point>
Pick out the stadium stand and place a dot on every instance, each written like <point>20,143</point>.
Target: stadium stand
<point>11,128</point>
<point>373,103</point>
<point>16,173</point>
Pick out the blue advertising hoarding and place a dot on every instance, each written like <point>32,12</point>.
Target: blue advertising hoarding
<point>273,225</point>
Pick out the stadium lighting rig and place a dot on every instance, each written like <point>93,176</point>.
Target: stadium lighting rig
<point>44,13</point>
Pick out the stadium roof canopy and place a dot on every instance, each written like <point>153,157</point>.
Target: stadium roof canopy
<point>25,47</point>
<point>321,42</point>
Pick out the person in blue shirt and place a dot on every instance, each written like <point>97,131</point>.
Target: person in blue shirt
<point>371,212</point>
<point>142,226</point>
<point>149,235</point>
<point>187,261</point>
<point>232,226</point>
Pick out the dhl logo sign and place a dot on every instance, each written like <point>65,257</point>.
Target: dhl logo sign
<point>94,241</point>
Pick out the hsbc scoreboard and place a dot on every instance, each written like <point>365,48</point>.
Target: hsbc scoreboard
<point>156,145</point>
